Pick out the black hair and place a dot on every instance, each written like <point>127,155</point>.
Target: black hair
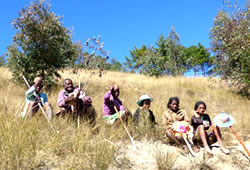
<point>197,104</point>
<point>171,99</point>
<point>142,102</point>
<point>66,80</point>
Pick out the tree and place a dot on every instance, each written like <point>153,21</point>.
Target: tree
<point>92,55</point>
<point>41,46</point>
<point>230,41</point>
<point>115,65</point>
<point>166,58</point>
<point>2,61</point>
<point>198,58</point>
<point>175,60</point>
<point>146,60</point>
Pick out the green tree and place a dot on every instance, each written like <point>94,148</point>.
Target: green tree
<point>162,51</point>
<point>175,60</point>
<point>230,41</point>
<point>2,61</point>
<point>41,46</point>
<point>146,60</point>
<point>135,60</point>
<point>115,65</point>
<point>166,58</point>
<point>198,58</point>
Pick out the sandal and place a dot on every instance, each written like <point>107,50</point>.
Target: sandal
<point>209,151</point>
<point>224,150</point>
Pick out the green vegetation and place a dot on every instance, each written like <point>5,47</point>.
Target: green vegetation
<point>41,46</point>
<point>166,58</point>
<point>169,57</point>
<point>93,56</point>
<point>230,40</point>
<point>2,61</point>
<point>31,144</point>
<point>199,58</point>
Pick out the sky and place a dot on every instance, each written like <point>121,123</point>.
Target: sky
<point>123,24</point>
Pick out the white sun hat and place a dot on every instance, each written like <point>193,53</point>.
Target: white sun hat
<point>223,120</point>
<point>144,97</point>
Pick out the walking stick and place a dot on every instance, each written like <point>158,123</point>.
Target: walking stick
<point>188,145</point>
<point>241,142</point>
<point>40,106</point>
<point>78,116</point>
<point>130,137</point>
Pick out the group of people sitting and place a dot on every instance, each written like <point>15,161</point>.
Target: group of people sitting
<point>73,100</point>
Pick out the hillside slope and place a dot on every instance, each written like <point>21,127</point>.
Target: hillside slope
<point>27,144</point>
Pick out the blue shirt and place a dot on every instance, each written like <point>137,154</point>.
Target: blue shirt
<point>30,95</point>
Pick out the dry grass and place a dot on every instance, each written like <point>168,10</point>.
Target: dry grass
<point>165,160</point>
<point>26,144</point>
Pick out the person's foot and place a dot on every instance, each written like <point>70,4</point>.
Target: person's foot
<point>185,148</point>
<point>196,149</point>
<point>209,151</point>
<point>224,150</point>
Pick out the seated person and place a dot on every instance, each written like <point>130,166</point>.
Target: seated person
<point>171,116</point>
<point>143,113</point>
<point>74,101</point>
<point>204,131</point>
<point>113,106</point>
<point>34,96</point>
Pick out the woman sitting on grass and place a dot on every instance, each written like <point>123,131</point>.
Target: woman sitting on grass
<point>171,116</point>
<point>143,113</point>
<point>204,131</point>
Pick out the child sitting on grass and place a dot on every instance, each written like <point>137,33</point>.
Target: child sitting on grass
<point>143,113</point>
<point>204,131</point>
<point>170,117</point>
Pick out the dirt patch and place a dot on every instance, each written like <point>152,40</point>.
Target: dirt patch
<point>147,154</point>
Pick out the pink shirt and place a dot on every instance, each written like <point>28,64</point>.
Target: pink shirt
<point>108,105</point>
<point>62,96</point>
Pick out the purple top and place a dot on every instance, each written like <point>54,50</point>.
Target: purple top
<point>61,98</point>
<point>108,105</point>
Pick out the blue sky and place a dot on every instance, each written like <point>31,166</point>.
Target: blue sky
<point>124,24</point>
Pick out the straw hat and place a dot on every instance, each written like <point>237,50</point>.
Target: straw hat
<point>223,120</point>
<point>144,97</point>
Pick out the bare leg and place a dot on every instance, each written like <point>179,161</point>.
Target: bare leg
<point>117,122</point>
<point>180,139</point>
<point>48,110</point>
<point>217,133</point>
<point>32,108</point>
<point>171,136</point>
<point>203,136</point>
<point>62,112</point>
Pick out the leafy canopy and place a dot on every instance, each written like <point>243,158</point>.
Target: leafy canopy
<point>230,41</point>
<point>41,46</point>
<point>168,57</point>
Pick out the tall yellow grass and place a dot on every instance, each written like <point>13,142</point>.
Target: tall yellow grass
<point>26,144</point>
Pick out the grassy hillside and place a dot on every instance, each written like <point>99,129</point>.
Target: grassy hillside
<point>26,144</point>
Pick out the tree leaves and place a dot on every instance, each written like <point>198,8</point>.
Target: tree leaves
<point>230,41</point>
<point>168,57</point>
<point>41,46</point>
